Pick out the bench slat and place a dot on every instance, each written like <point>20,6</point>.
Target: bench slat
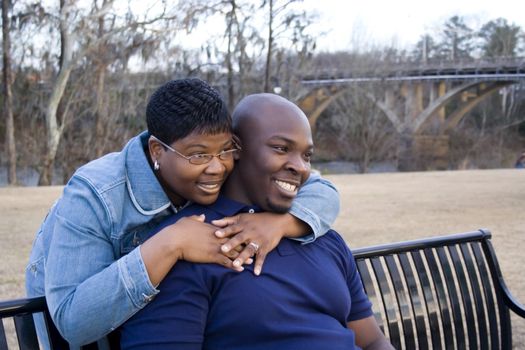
<point>25,332</point>
<point>388,303</point>
<point>415,301</point>
<point>453,298</point>
<point>431,305</point>
<point>441,287</point>
<point>3,340</point>
<point>370,290</point>
<point>475,291</point>
<point>401,302</point>
<point>490,303</point>
<point>470,318</point>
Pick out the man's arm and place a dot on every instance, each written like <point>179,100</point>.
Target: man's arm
<point>368,335</point>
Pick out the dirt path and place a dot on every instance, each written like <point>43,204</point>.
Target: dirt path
<point>376,208</point>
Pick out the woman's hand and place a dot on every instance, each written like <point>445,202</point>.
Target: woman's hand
<point>190,239</point>
<point>198,243</point>
<point>257,234</point>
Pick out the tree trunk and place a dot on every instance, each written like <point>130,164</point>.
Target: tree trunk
<point>53,130</point>
<point>229,59</point>
<point>8,99</point>
<point>270,49</point>
<point>100,113</point>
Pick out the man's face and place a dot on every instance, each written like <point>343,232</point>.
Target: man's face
<point>184,181</point>
<point>275,157</point>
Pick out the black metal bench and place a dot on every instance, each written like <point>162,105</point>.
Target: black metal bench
<point>22,311</point>
<point>434,293</point>
<point>440,293</point>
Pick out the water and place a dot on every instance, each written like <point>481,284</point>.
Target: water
<point>28,177</point>
<point>339,167</point>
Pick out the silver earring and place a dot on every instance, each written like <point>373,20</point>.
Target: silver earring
<point>156,165</point>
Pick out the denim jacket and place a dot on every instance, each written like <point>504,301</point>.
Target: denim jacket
<point>95,278</point>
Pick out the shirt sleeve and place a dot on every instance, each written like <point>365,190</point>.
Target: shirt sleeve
<point>316,204</point>
<point>361,307</point>
<point>88,292</point>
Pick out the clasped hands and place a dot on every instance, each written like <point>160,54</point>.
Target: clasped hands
<point>238,240</point>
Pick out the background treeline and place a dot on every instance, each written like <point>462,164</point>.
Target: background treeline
<point>76,77</point>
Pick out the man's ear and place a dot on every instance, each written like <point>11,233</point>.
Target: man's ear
<point>238,144</point>
<point>237,141</point>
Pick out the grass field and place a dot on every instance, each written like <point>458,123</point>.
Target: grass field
<point>376,208</point>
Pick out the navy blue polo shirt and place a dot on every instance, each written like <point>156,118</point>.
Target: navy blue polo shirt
<point>303,299</point>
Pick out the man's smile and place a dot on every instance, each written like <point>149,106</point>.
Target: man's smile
<point>287,186</point>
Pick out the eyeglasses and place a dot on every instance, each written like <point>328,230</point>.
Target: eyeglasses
<point>199,159</point>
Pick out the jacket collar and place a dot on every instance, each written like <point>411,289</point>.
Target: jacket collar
<point>144,189</point>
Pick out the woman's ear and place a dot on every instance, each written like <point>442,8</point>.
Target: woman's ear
<point>155,148</point>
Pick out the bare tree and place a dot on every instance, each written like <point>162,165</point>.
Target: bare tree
<point>366,133</point>
<point>8,99</point>
<point>284,23</point>
<point>80,34</point>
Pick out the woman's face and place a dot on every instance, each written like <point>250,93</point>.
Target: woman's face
<point>183,181</point>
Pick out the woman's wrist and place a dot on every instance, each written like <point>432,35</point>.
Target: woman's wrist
<point>292,227</point>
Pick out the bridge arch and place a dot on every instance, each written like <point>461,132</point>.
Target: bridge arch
<point>316,100</point>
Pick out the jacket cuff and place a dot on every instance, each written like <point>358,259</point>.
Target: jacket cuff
<point>135,278</point>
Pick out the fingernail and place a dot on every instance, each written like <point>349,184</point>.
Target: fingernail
<point>236,263</point>
<point>249,261</point>
<point>257,271</point>
<point>219,233</point>
<point>225,248</point>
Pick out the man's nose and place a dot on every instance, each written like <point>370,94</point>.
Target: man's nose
<point>298,164</point>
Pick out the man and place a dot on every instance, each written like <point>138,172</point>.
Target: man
<point>308,297</point>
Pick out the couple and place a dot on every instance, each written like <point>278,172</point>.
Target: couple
<point>99,269</point>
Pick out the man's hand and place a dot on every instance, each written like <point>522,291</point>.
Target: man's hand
<point>257,234</point>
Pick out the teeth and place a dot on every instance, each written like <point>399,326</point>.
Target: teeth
<point>211,187</point>
<point>286,186</point>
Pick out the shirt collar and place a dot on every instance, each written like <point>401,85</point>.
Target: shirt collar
<point>145,191</point>
<point>229,207</point>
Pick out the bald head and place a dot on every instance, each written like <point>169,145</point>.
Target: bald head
<point>276,146</point>
<point>255,110</point>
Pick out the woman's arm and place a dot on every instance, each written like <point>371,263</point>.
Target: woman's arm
<point>90,290</point>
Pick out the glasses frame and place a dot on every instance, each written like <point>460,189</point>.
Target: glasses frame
<point>200,159</point>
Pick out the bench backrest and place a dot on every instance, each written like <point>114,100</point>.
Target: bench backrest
<point>445,291</point>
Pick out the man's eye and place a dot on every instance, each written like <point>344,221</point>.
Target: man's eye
<point>308,156</point>
<point>281,149</point>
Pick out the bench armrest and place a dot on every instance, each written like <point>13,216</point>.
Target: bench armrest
<point>510,300</point>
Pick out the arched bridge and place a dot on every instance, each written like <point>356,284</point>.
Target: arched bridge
<point>414,99</point>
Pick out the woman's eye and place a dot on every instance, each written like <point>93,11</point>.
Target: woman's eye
<point>199,155</point>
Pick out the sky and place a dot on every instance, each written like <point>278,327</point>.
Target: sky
<point>401,22</point>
